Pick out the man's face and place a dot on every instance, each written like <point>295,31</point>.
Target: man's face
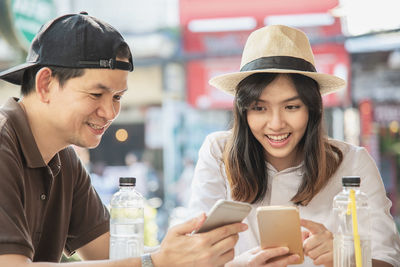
<point>85,106</point>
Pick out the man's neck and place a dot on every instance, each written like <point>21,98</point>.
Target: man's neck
<point>45,137</point>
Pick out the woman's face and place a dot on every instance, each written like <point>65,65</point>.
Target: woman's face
<point>278,120</point>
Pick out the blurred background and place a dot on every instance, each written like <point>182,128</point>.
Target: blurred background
<point>178,45</point>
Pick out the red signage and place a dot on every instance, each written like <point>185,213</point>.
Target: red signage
<point>369,138</point>
<point>333,59</point>
<point>206,9</point>
<point>200,93</point>
<point>216,45</point>
<point>257,10</point>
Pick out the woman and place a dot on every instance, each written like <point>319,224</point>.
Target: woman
<point>278,154</point>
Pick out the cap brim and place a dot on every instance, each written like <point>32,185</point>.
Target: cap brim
<point>15,74</point>
<point>228,82</point>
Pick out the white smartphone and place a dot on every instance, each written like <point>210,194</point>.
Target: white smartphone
<point>225,212</point>
<point>280,226</point>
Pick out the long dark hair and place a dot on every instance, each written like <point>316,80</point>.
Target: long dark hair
<point>244,156</point>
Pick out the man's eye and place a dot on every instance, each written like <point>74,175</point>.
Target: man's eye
<point>96,95</point>
<point>117,97</point>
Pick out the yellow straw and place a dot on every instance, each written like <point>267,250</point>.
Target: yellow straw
<point>351,208</point>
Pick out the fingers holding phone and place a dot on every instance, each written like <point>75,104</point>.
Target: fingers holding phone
<point>216,247</point>
<point>221,227</point>
<point>224,212</point>
<point>279,257</point>
<point>213,248</point>
<point>279,226</point>
<point>223,240</point>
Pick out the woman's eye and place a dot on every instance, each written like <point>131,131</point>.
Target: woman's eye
<point>258,108</point>
<point>293,107</point>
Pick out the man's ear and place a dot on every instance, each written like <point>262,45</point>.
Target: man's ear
<point>42,84</point>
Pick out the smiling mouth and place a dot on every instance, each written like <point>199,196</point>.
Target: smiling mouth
<point>278,138</point>
<point>96,127</point>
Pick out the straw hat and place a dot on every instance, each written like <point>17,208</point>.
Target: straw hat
<point>277,49</point>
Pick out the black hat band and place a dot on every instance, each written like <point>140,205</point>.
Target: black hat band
<point>107,64</point>
<point>279,62</point>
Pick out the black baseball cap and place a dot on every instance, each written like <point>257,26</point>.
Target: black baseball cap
<point>73,41</point>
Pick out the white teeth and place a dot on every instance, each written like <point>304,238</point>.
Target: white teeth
<point>95,126</point>
<point>278,137</point>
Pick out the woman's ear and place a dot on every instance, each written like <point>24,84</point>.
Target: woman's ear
<point>42,84</point>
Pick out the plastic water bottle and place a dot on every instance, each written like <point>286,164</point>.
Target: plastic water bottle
<point>344,248</point>
<point>126,224</point>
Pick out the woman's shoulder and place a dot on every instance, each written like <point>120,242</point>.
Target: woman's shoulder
<point>347,148</point>
<point>354,157</point>
<point>219,136</point>
<point>215,142</point>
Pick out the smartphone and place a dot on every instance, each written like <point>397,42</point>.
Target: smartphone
<point>279,226</point>
<point>225,212</point>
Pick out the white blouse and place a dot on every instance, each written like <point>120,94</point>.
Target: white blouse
<point>210,184</point>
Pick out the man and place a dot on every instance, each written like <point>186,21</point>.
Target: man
<point>75,75</point>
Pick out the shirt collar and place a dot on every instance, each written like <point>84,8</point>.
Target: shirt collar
<point>55,165</point>
<point>299,169</point>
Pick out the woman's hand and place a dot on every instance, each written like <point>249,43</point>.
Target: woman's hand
<point>317,243</point>
<point>264,257</point>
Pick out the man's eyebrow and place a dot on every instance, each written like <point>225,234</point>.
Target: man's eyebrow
<point>103,87</point>
<point>108,89</point>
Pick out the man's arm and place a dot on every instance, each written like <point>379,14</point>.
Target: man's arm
<point>179,249</point>
<point>22,261</point>
<point>98,249</point>
<point>378,263</point>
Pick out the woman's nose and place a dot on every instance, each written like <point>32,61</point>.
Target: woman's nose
<point>276,121</point>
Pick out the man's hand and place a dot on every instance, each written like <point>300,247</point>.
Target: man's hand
<point>214,248</point>
<point>318,243</point>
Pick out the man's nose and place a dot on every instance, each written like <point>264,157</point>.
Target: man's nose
<point>108,110</point>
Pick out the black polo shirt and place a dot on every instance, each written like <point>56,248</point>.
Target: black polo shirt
<point>44,209</point>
